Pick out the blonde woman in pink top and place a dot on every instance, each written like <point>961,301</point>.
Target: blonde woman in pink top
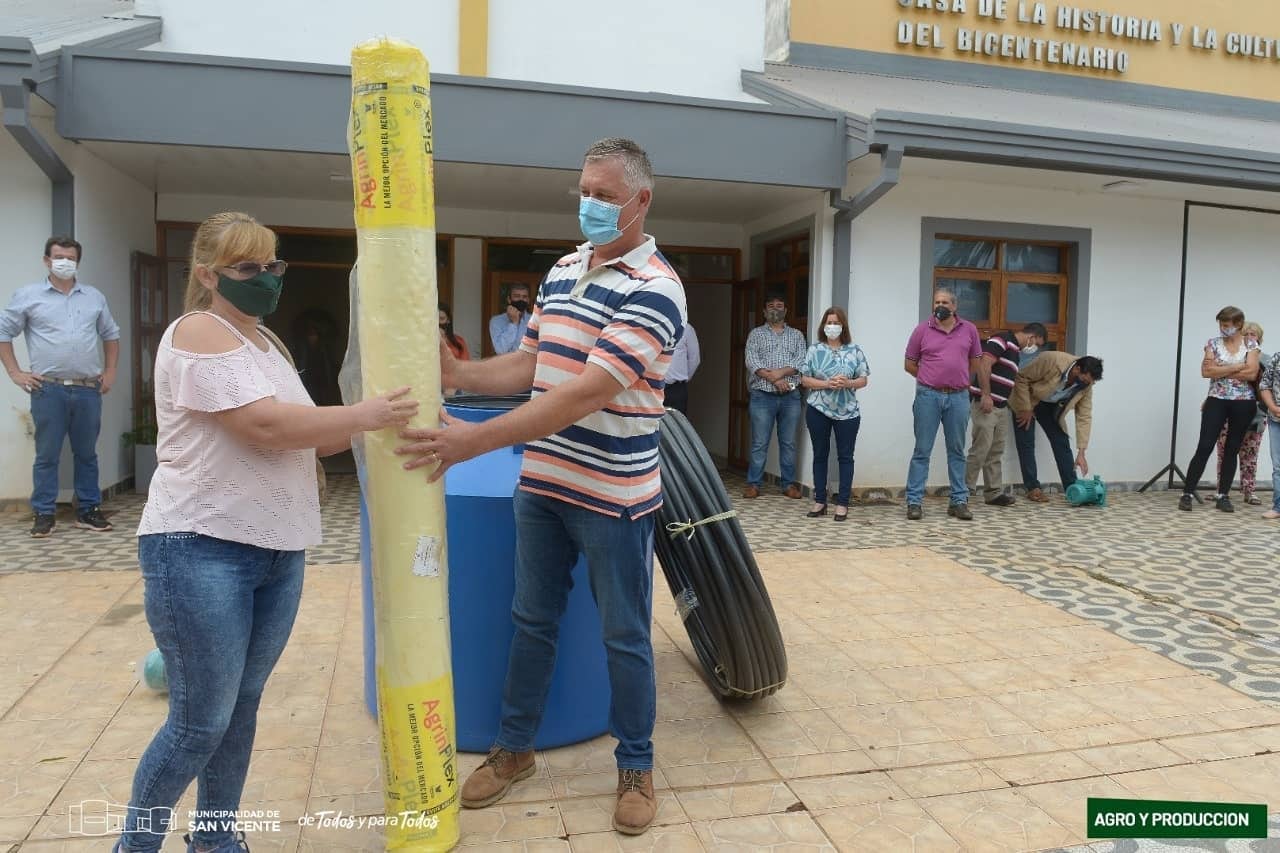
<point>231,509</point>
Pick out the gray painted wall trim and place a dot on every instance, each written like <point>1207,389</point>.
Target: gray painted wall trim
<point>890,174</point>
<point>112,96</point>
<point>1025,80</point>
<point>17,61</point>
<point>15,51</point>
<point>976,140</point>
<point>1080,260</point>
<point>841,261</point>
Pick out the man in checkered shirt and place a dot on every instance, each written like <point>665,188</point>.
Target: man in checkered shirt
<point>775,354</point>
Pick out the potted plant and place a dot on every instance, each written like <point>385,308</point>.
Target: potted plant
<point>142,438</point>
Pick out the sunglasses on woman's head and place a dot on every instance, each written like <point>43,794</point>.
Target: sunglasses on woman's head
<point>250,268</point>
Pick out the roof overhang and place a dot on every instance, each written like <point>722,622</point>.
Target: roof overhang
<point>173,99</point>
<point>978,141</point>
<point>857,127</point>
<point>971,138</point>
<point>31,53</point>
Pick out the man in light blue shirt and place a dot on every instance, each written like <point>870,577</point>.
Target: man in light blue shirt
<point>506,330</point>
<point>63,320</point>
<point>685,359</point>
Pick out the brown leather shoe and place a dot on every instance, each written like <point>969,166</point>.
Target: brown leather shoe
<point>636,806</point>
<point>491,780</point>
<point>1037,496</point>
<point>751,492</point>
<point>793,491</point>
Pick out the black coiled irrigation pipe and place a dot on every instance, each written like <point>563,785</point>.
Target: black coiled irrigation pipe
<point>712,574</point>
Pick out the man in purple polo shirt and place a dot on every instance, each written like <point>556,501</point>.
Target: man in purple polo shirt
<point>942,353</point>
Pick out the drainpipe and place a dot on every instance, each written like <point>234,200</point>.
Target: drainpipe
<point>848,210</point>
<point>15,97</point>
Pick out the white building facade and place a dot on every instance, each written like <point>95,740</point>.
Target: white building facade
<point>833,169</point>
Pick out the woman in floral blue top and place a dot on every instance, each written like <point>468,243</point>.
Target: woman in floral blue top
<point>834,369</point>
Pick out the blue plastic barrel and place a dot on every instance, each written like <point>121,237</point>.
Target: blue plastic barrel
<point>481,544</point>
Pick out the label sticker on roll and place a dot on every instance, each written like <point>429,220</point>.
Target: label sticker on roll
<point>389,137</point>
<point>419,761</point>
<point>686,601</point>
<point>426,558</point>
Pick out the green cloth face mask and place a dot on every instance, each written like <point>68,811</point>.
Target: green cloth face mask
<point>257,296</point>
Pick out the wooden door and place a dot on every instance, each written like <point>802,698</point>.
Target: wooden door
<point>746,314</point>
<point>150,318</point>
<point>495,300</point>
<point>786,271</point>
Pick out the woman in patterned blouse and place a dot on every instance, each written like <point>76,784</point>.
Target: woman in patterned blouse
<point>834,369</point>
<point>1230,364</point>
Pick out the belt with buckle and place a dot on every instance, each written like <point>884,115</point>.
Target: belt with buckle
<point>944,389</point>
<point>84,383</point>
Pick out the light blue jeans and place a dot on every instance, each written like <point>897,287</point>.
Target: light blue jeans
<point>1273,440</point>
<point>951,410</point>
<point>550,534</point>
<point>766,409</point>
<point>221,613</point>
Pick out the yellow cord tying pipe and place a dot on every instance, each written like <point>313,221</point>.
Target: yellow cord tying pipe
<point>389,139</point>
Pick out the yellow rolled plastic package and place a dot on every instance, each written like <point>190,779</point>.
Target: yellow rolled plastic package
<point>394,303</point>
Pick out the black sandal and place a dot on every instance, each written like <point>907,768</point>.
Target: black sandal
<point>836,516</point>
<point>817,513</point>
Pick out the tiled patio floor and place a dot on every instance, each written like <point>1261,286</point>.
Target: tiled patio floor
<point>933,705</point>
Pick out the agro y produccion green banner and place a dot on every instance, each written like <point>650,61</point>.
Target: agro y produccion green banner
<point>1173,819</point>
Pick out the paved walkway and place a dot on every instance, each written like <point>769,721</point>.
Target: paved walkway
<point>950,690</point>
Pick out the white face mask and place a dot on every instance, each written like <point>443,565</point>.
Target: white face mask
<point>832,330</point>
<point>63,267</point>
<point>1229,331</point>
<point>1030,348</point>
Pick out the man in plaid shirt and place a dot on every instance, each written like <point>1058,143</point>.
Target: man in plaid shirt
<point>775,354</point>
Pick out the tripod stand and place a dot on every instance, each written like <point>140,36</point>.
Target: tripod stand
<point>1171,467</point>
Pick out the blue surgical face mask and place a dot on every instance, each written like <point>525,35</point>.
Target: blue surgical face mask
<point>599,219</point>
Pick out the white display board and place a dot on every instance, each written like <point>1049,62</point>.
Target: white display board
<point>1233,258</point>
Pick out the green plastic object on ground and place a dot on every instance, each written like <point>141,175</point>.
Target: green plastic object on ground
<point>152,672</point>
<point>1085,492</point>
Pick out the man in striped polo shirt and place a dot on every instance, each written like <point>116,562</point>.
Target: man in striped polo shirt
<point>604,324</point>
<point>999,363</point>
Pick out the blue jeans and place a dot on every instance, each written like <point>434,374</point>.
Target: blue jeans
<point>221,613</point>
<point>550,534</point>
<point>59,411</point>
<point>820,429</point>
<point>765,409</point>
<point>951,410</point>
<point>1025,441</point>
<point>1046,414</point>
<point>1273,441</point>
